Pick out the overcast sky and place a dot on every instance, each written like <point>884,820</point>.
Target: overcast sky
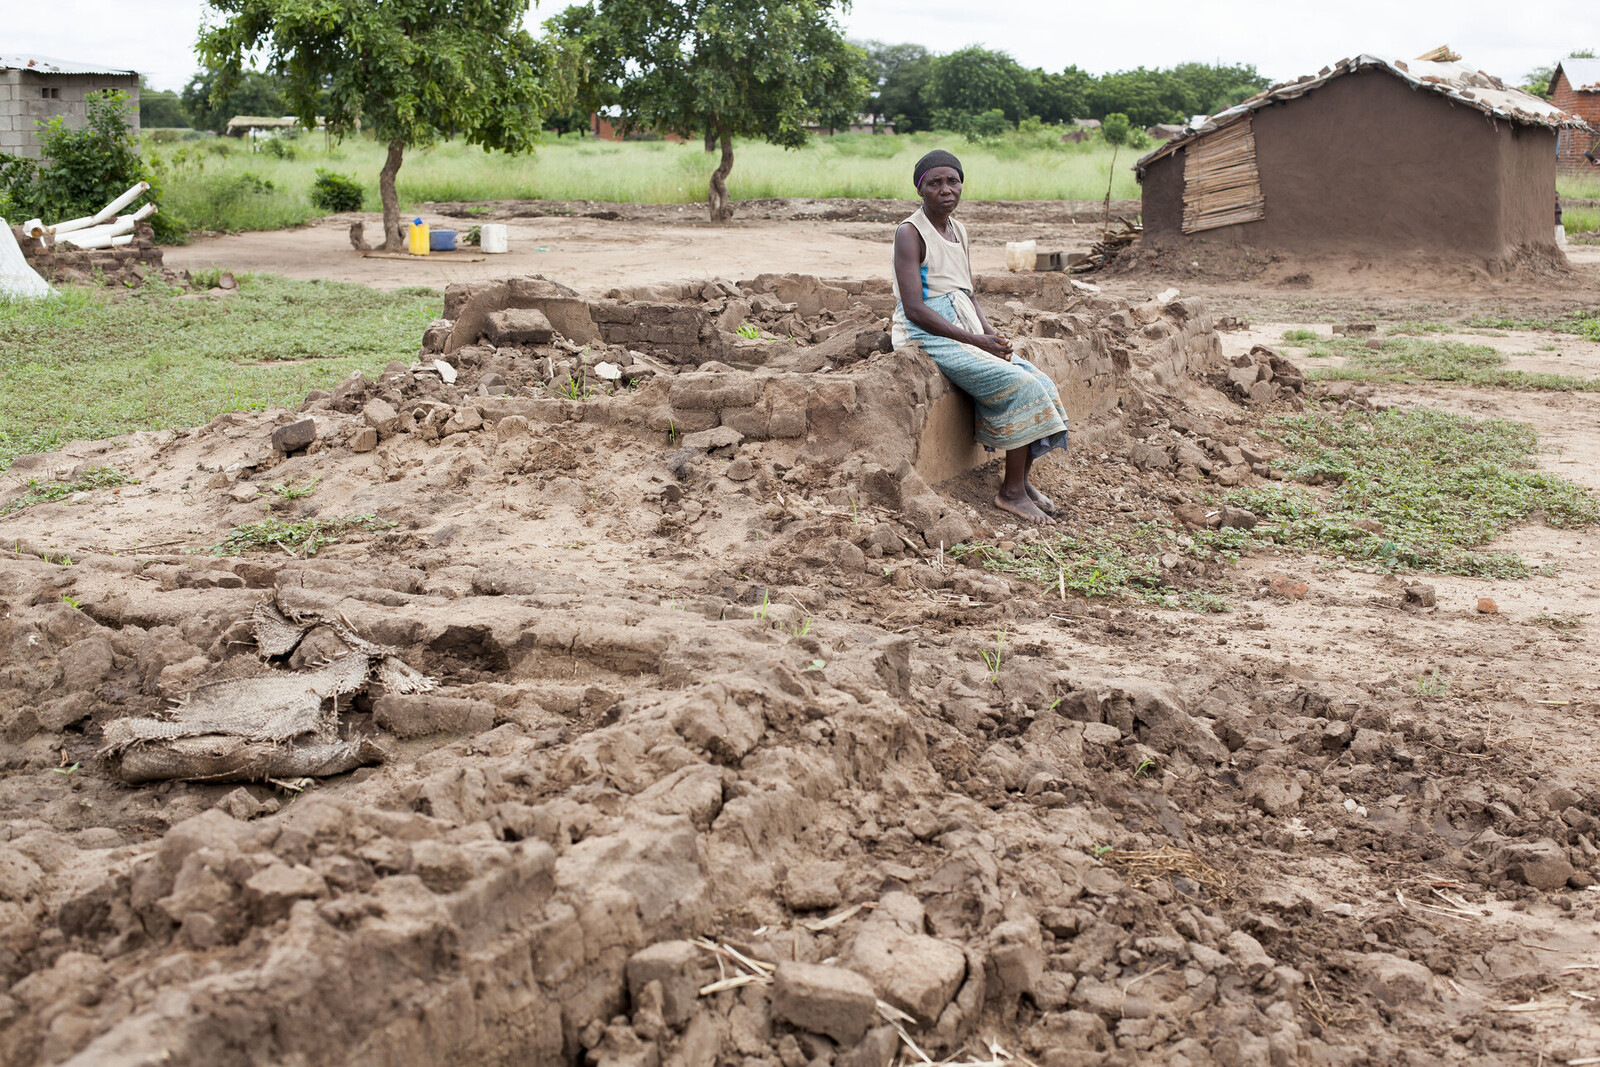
<point>156,37</point>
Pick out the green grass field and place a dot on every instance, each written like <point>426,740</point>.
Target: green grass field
<point>223,185</point>
<point>84,366</point>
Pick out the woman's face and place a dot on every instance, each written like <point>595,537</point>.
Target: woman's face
<point>941,189</point>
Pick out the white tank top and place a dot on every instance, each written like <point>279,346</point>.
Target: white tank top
<point>945,266</point>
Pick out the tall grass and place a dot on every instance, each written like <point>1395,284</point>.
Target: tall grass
<point>1584,186</point>
<point>223,185</point>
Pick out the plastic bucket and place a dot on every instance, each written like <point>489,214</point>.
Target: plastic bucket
<point>1021,255</point>
<point>417,239</point>
<point>442,240</point>
<point>492,237</point>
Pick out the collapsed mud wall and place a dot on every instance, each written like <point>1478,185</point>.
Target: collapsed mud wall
<point>821,371</point>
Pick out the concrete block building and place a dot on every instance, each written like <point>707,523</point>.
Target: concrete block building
<point>1575,89</point>
<point>35,89</point>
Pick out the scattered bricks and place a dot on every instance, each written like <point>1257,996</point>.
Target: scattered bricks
<point>1422,595</point>
<point>824,1000</point>
<point>1239,518</point>
<point>511,426</point>
<point>350,394</point>
<point>877,1049</point>
<point>787,402</point>
<point>294,436</point>
<point>1287,588</point>
<point>914,972</point>
<point>462,420</point>
<point>677,966</point>
<point>752,422</point>
<point>813,885</point>
<point>272,891</point>
<point>1148,457</point>
<point>364,440</point>
<point>84,664</point>
<point>381,416</point>
<point>741,470</point>
<point>713,392</point>
<point>833,397</point>
<point>1271,790</point>
<point>1244,377</point>
<point>1541,864</point>
<point>518,326</point>
<point>421,714</point>
<point>714,438</point>
<point>1263,393</point>
<point>1016,957</point>
<point>1487,606</point>
<point>1396,981</point>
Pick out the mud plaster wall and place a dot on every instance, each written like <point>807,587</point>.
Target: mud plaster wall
<point>1366,163</point>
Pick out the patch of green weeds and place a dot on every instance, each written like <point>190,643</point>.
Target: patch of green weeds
<point>72,602</point>
<point>1438,486</point>
<point>993,660</point>
<point>1585,324</point>
<point>1094,563</point>
<point>291,490</point>
<point>762,608</point>
<point>85,366</point>
<point>1433,684</point>
<point>1420,328</point>
<point>749,331</point>
<point>304,538</point>
<point>1561,620</point>
<point>1413,359</point>
<point>1301,337</point>
<point>49,492</point>
<point>1144,768</point>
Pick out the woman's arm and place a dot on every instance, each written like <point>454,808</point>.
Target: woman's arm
<point>908,253</point>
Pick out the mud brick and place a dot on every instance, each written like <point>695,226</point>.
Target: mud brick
<point>713,392</point>
<point>420,714</point>
<point>614,314</point>
<point>833,396</point>
<point>824,1000</point>
<point>678,966</point>
<point>519,326</point>
<point>294,436</point>
<point>364,440</point>
<point>752,422</point>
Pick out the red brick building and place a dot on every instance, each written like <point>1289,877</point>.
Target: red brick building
<point>1575,89</point>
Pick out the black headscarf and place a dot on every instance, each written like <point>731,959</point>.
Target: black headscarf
<point>937,158</point>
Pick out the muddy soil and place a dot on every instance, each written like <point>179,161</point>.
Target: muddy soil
<point>712,708</point>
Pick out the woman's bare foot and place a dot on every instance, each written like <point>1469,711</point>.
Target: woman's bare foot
<point>1023,507</point>
<point>1046,505</point>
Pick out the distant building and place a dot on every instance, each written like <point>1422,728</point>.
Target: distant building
<point>36,89</point>
<point>1369,156</point>
<point>1575,89</point>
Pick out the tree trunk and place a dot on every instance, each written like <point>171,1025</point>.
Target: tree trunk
<point>391,199</point>
<point>1111,177</point>
<point>718,197</point>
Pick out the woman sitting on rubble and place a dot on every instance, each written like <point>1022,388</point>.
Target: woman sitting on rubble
<point>1018,407</point>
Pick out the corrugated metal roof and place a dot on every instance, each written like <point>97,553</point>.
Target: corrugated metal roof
<point>1582,74</point>
<point>46,65</point>
<point>1456,82</point>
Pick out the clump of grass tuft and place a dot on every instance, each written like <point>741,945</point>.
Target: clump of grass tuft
<point>1414,359</point>
<point>48,492</point>
<point>1585,324</point>
<point>83,366</point>
<point>1440,487</point>
<point>1301,337</point>
<point>304,538</point>
<point>1098,563</point>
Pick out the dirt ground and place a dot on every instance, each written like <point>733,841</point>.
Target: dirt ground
<point>711,708</point>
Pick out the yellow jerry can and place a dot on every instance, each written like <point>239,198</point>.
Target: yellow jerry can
<point>417,243</point>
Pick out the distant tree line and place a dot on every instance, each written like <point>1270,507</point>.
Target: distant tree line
<point>914,89</point>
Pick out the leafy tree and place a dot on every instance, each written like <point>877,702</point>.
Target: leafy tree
<point>723,69</point>
<point>1115,129</point>
<point>410,71</point>
<point>974,80</point>
<point>900,100</point>
<point>1537,80</point>
<point>1058,98</point>
<point>885,63</point>
<point>250,93</point>
<point>160,108</point>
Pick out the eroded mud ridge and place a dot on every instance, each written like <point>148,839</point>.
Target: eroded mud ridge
<point>653,726</point>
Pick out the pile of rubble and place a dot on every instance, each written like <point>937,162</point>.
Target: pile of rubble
<point>673,742</point>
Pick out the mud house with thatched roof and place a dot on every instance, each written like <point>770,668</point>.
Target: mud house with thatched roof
<point>36,89</point>
<point>1371,155</point>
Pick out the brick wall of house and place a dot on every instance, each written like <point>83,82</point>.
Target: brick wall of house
<point>28,98</point>
<point>1572,144</point>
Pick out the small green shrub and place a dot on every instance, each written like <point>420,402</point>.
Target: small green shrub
<point>333,192</point>
<point>279,148</point>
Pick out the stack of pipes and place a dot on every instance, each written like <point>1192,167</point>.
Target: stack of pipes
<point>104,229</point>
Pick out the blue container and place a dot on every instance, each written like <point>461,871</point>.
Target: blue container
<point>442,240</point>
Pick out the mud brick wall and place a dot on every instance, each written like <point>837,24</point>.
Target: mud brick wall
<point>61,262</point>
<point>680,332</point>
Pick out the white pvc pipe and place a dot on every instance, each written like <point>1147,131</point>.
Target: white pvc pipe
<point>99,236</point>
<point>111,209</point>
